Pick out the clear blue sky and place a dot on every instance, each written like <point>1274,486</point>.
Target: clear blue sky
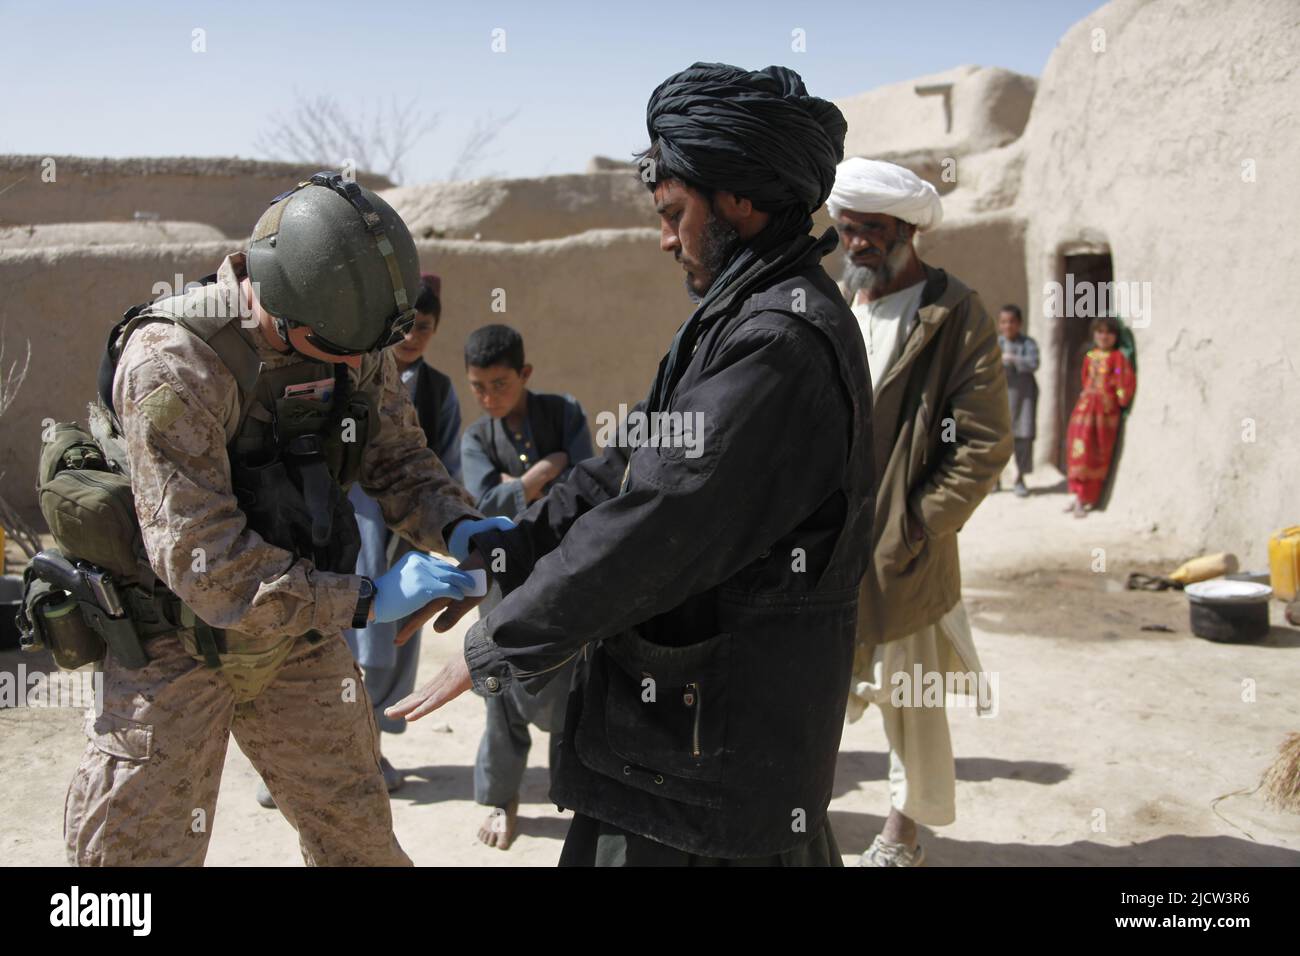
<point>120,79</point>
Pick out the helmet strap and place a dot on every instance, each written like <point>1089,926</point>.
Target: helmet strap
<point>282,330</point>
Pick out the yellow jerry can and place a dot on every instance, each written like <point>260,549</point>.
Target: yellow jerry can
<point>1284,563</point>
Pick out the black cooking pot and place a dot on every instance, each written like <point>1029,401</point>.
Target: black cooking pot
<point>1229,611</point>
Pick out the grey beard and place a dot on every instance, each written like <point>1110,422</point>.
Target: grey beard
<point>715,249</point>
<point>856,278</point>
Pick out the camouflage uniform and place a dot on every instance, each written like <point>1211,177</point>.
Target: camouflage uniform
<point>145,791</point>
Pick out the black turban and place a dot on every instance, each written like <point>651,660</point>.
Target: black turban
<point>757,134</point>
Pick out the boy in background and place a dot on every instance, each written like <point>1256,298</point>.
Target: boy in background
<point>1020,362</point>
<point>510,457</point>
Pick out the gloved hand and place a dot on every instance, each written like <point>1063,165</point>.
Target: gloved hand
<point>415,580</point>
<point>464,530</point>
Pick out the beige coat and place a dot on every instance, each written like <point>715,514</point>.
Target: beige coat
<point>942,429</point>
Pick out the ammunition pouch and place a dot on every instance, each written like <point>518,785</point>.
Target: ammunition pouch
<point>294,503</point>
<point>292,483</point>
<point>68,617</point>
<point>351,434</point>
<point>51,619</point>
<point>87,504</point>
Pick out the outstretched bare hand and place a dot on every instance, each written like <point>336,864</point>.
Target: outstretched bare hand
<point>450,682</point>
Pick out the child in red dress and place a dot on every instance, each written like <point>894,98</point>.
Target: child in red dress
<point>1108,384</point>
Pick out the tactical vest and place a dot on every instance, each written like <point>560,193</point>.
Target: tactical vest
<point>291,462</point>
<point>292,459</point>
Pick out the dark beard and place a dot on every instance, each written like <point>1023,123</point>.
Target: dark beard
<point>716,245</point>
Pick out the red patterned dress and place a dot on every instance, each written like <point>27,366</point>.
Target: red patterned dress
<point>1108,383</point>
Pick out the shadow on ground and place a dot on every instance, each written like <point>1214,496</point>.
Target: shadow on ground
<point>855,831</point>
<point>429,785</point>
<point>856,766</point>
<point>437,784</point>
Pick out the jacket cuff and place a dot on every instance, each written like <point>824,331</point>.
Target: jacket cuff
<point>336,600</point>
<point>488,672</point>
<point>516,564</point>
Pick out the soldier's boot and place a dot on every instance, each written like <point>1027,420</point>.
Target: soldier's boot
<point>146,789</point>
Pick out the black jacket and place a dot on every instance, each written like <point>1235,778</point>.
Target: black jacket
<point>713,598</point>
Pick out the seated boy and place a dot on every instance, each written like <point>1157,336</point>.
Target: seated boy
<point>510,457</point>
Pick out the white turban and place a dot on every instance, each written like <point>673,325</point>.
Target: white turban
<point>868,185</point>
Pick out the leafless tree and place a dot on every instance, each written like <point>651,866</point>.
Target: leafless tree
<point>321,130</point>
<point>477,144</point>
<point>11,380</point>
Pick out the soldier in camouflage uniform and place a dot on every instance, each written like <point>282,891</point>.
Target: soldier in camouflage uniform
<point>197,409</point>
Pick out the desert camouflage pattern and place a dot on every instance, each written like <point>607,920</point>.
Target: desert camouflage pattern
<point>179,408</point>
<point>145,792</point>
<point>153,763</point>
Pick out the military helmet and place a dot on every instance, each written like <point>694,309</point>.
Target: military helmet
<point>332,256</point>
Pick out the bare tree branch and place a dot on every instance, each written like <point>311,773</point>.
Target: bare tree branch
<point>475,149</point>
<point>11,379</point>
<point>320,130</point>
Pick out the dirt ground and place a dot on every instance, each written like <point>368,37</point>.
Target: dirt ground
<point>1110,744</point>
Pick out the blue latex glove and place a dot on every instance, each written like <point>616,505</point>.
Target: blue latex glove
<point>414,581</point>
<point>464,530</point>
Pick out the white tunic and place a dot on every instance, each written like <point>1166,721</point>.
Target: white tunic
<point>884,324</point>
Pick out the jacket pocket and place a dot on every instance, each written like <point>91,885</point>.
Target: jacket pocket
<point>666,707</point>
<point>899,547</point>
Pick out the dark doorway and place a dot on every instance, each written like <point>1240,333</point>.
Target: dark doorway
<point>1074,338</point>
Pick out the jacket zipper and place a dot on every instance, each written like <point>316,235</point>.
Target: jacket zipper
<point>692,698</point>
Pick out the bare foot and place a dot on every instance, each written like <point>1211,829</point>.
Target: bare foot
<point>899,829</point>
<point>498,829</point>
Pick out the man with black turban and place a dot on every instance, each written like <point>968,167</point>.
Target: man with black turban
<point>706,577</point>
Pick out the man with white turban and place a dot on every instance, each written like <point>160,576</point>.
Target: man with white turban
<point>942,437</point>
<point>863,185</point>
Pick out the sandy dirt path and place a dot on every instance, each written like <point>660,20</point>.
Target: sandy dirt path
<point>1108,746</point>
